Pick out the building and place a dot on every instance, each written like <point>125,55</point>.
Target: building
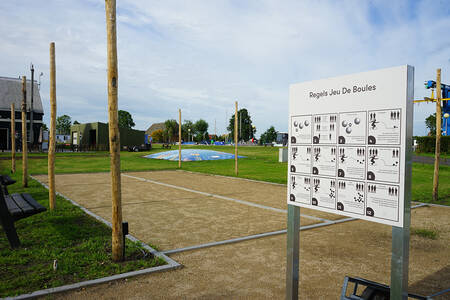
<point>154,127</point>
<point>95,136</point>
<point>11,91</point>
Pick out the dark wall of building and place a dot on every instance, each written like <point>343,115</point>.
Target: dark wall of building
<point>96,136</point>
<point>5,129</point>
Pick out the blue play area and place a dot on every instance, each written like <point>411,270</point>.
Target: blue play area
<point>192,155</point>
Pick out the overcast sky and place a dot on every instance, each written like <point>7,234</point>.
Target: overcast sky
<point>201,56</point>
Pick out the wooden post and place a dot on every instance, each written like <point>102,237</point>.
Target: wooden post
<point>179,138</point>
<point>24,134</point>
<point>13,138</point>
<point>114,137</point>
<point>437,155</point>
<point>236,140</point>
<point>52,133</point>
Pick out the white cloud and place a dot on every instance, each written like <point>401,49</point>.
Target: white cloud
<point>201,56</point>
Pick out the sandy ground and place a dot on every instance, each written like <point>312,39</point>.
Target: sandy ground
<point>253,269</point>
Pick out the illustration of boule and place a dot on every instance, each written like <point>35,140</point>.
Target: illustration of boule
<point>344,123</point>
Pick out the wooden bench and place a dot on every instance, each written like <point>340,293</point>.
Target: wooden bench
<point>15,207</point>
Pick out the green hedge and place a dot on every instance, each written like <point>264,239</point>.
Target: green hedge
<point>428,144</point>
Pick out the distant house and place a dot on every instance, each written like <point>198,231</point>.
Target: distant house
<point>11,91</point>
<point>154,127</point>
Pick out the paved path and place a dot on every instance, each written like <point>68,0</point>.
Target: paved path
<point>430,160</point>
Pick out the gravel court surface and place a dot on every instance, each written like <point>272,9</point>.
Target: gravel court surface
<point>273,195</point>
<point>167,217</point>
<point>255,269</point>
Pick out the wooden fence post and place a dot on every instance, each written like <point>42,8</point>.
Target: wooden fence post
<point>236,139</point>
<point>52,133</point>
<point>24,133</point>
<point>437,155</point>
<point>13,138</point>
<point>114,136</point>
<point>179,138</point>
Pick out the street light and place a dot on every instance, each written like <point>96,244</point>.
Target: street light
<point>189,134</point>
<point>446,115</point>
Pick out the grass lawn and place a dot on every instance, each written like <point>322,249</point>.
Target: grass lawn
<point>80,244</point>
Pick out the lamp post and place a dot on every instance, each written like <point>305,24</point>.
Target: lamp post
<point>189,135</point>
<point>446,115</point>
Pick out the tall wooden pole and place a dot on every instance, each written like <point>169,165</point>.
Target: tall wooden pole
<point>236,139</point>
<point>52,137</point>
<point>179,138</point>
<point>13,138</point>
<point>438,136</point>
<point>24,134</point>
<point>114,137</point>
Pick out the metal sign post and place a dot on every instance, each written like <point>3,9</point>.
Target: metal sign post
<point>293,239</point>
<point>400,235</point>
<point>350,149</point>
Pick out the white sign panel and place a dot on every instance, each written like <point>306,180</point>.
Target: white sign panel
<point>347,144</point>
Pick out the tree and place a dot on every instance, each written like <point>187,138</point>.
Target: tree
<point>63,124</point>
<point>185,132</point>
<point>201,130</point>
<point>44,127</point>
<point>125,120</point>
<point>76,122</point>
<point>246,129</point>
<point>158,136</point>
<point>430,122</point>
<point>171,129</point>
<point>269,136</point>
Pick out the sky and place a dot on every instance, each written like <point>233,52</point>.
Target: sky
<point>202,56</point>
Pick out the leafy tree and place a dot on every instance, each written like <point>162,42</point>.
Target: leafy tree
<point>430,122</point>
<point>171,131</point>
<point>63,124</point>
<point>201,130</point>
<point>44,127</point>
<point>158,136</point>
<point>269,136</point>
<point>76,122</point>
<point>185,132</point>
<point>125,120</point>
<point>245,128</point>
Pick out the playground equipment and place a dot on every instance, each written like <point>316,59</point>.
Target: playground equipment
<point>445,88</point>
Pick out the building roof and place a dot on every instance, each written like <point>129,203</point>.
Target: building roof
<point>11,91</point>
<point>154,127</point>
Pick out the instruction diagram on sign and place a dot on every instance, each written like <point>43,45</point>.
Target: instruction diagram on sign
<point>382,201</point>
<point>352,128</point>
<point>384,127</point>
<point>351,196</point>
<point>324,160</point>
<point>324,192</point>
<point>301,130</point>
<point>325,129</point>
<point>350,143</point>
<point>300,189</point>
<point>383,164</point>
<point>300,159</point>
<point>352,162</point>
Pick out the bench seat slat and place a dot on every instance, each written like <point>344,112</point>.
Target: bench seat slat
<point>14,210</point>
<point>23,204</point>
<point>37,206</point>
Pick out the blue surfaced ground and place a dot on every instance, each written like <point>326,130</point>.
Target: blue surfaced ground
<point>192,155</point>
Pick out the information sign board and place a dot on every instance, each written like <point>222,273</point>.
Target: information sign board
<point>348,143</point>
